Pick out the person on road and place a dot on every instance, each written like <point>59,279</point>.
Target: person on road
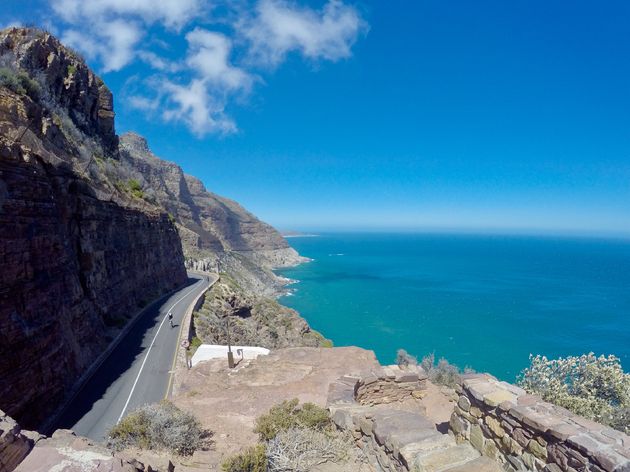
<point>170,318</point>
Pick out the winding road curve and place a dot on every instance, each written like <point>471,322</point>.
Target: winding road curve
<point>138,369</point>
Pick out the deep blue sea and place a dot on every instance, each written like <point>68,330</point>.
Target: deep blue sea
<point>485,302</point>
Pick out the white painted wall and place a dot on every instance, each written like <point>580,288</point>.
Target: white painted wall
<point>214,351</point>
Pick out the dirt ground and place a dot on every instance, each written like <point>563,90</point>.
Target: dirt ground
<point>227,402</point>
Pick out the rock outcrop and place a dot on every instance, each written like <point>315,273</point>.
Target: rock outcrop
<point>15,444</point>
<point>79,256</point>
<point>254,320</point>
<point>217,233</point>
<point>29,451</point>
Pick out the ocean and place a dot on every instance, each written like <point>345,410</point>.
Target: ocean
<point>484,302</point>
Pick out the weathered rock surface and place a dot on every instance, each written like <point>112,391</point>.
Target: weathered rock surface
<point>15,444</point>
<point>228,402</point>
<point>381,409</point>
<point>65,452</point>
<point>78,257</point>
<point>254,320</point>
<point>523,432</point>
<point>212,228</point>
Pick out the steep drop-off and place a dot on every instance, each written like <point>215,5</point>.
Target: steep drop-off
<point>79,256</point>
<point>213,228</point>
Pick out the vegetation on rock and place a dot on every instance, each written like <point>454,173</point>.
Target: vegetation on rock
<point>590,386</point>
<point>254,320</point>
<point>443,373</point>
<point>19,82</point>
<point>300,449</point>
<point>161,426</point>
<point>289,415</point>
<point>252,459</point>
<point>294,438</point>
<point>403,358</point>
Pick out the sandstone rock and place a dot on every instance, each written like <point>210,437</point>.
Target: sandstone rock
<point>65,452</point>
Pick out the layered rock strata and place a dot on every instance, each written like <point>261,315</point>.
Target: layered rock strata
<point>524,433</point>
<point>79,257</point>
<point>217,233</point>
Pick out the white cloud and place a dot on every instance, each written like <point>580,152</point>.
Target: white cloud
<point>209,56</point>
<point>110,30</point>
<point>201,103</point>
<point>279,27</point>
<point>193,105</point>
<point>196,89</point>
<point>159,63</point>
<point>172,13</point>
<point>114,45</point>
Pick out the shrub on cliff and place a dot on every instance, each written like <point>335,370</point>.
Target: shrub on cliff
<point>288,415</point>
<point>295,438</point>
<point>253,459</point>
<point>159,426</point>
<point>590,386</point>
<point>301,449</point>
<point>442,373</point>
<point>19,82</point>
<point>403,358</point>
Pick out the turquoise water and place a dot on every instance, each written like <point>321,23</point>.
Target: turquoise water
<point>481,301</point>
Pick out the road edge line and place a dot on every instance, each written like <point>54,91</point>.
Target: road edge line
<point>187,320</point>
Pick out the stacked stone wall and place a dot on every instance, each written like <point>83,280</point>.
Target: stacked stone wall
<point>524,433</point>
<point>391,428</point>
<point>390,384</point>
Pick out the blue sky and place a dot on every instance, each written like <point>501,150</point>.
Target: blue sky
<point>487,115</point>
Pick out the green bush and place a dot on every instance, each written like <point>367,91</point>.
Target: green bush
<point>289,415</point>
<point>135,188</point>
<point>443,373</point>
<point>19,82</point>
<point>253,459</point>
<point>162,426</point>
<point>590,386</point>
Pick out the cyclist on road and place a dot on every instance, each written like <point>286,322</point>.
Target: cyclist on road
<point>170,318</point>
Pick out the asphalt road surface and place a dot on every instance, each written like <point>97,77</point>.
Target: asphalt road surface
<point>138,371</point>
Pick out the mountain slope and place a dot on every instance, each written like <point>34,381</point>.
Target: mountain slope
<point>92,226</point>
<point>212,228</point>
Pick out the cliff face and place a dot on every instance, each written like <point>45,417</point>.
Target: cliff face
<point>254,320</point>
<point>212,228</point>
<point>79,253</point>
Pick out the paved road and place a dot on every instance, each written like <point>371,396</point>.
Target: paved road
<point>138,371</point>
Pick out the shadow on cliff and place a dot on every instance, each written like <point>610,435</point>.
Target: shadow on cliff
<point>99,402</point>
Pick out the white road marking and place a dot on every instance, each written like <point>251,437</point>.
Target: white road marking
<point>146,356</point>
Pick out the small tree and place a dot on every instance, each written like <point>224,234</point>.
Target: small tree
<point>590,386</point>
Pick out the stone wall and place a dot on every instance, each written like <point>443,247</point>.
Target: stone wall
<point>380,409</point>
<point>524,433</point>
<point>390,384</point>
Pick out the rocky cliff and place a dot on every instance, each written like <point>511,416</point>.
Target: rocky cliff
<point>254,320</point>
<point>79,254</point>
<point>213,229</point>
